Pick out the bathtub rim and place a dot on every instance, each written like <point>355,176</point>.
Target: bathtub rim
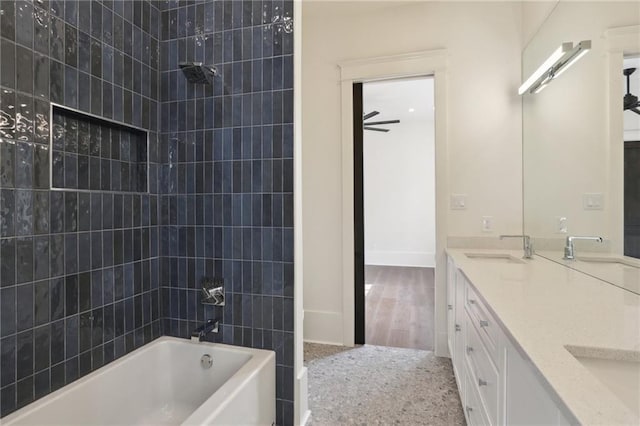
<point>234,385</point>
<point>259,358</point>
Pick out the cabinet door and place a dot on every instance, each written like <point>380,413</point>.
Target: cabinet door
<point>458,335</point>
<point>451,283</point>
<point>527,401</point>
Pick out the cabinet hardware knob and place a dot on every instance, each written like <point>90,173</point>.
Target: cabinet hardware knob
<point>458,328</point>
<point>482,382</point>
<point>484,323</point>
<point>469,409</point>
<point>469,349</point>
<point>472,301</point>
<point>450,307</point>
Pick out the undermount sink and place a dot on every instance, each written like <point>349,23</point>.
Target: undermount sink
<point>620,374</point>
<point>609,260</point>
<point>493,257</point>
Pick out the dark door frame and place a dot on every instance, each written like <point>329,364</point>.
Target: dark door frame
<point>358,215</point>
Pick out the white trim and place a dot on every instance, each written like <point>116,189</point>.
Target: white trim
<point>433,62</point>
<point>303,383</point>
<point>324,326</point>
<point>621,42</point>
<point>418,259</point>
<point>301,412</point>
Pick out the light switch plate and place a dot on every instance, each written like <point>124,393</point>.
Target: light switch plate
<point>487,223</point>
<point>593,201</point>
<point>561,225</point>
<point>458,201</point>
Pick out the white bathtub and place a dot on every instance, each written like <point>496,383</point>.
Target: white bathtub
<point>163,383</point>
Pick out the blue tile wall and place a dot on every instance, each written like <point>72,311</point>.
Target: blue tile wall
<point>79,282</point>
<point>227,175</point>
<point>87,276</point>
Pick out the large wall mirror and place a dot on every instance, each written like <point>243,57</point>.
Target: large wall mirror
<point>581,149</point>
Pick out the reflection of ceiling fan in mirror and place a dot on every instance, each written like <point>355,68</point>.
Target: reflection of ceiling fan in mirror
<point>368,124</point>
<point>630,101</point>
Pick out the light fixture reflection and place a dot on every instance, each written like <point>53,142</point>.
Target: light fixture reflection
<point>559,61</point>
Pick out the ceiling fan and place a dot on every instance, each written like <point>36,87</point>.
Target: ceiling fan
<point>630,101</point>
<point>367,125</point>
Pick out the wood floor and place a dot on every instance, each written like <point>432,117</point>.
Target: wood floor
<point>399,306</point>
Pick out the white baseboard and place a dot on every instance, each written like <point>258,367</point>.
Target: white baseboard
<point>442,349</point>
<point>323,327</point>
<point>303,394</point>
<point>305,418</point>
<point>632,135</point>
<point>400,258</point>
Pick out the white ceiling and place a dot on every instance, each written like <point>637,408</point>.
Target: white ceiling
<point>394,98</point>
<point>635,77</point>
<point>631,119</point>
<point>632,62</point>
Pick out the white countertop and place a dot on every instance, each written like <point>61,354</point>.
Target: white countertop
<point>625,275</point>
<point>544,307</point>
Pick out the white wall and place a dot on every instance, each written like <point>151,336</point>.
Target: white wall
<point>534,13</point>
<point>399,176</point>
<point>483,41</point>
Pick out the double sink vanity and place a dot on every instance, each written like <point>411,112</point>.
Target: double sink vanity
<point>554,339</point>
<point>535,342</point>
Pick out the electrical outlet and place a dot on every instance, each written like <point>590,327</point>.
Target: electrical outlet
<point>594,201</point>
<point>561,225</point>
<point>487,223</point>
<point>458,201</point>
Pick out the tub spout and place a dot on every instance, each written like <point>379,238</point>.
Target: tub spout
<point>211,326</point>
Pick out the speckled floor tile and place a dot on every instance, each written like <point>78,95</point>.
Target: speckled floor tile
<point>376,385</point>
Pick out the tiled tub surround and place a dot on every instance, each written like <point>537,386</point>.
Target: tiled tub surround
<point>545,308</point>
<point>227,154</point>
<point>81,272</point>
<point>78,269</point>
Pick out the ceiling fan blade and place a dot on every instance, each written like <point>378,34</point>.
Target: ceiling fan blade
<point>369,115</point>
<point>373,123</point>
<point>375,129</point>
<point>636,110</point>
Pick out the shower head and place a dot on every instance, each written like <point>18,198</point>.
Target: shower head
<point>198,73</point>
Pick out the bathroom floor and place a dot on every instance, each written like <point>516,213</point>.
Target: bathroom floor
<point>370,385</point>
<point>399,306</point>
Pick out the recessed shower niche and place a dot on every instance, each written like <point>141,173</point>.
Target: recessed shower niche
<point>92,153</point>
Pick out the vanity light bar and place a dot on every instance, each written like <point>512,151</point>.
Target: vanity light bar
<point>560,65</point>
<point>572,57</point>
<point>543,69</point>
<point>543,83</point>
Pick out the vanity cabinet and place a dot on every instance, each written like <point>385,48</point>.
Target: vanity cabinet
<point>455,321</point>
<point>528,402</point>
<point>497,384</point>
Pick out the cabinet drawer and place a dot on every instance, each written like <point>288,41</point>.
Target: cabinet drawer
<point>473,409</point>
<point>488,329</point>
<point>482,372</point>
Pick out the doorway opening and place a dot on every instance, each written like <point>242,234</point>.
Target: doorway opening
<point>632,157</point>
<point>395,214</point>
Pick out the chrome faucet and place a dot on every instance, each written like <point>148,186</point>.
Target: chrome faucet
<point>527,245</point>
<point>569,250</point>
<point>211,326</point>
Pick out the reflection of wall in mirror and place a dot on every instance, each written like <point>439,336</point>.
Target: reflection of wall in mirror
<point>565,127</point>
